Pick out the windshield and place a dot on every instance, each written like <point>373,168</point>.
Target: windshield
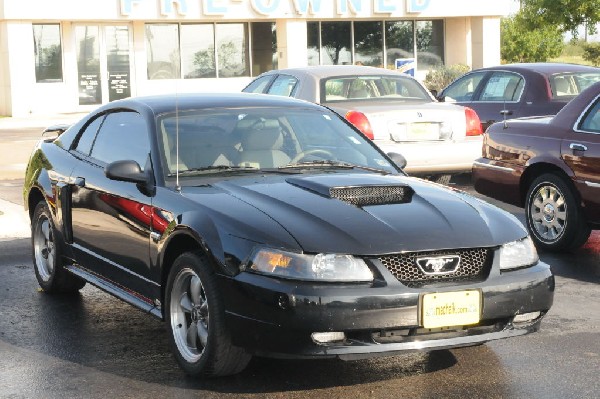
<point>571,84</point>
<point>371,88</point>
<point>241,140</point>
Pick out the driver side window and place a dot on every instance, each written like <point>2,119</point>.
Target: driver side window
<point>464,88</point>
<point>122,136</point>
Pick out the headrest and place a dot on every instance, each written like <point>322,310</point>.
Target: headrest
<point>263,136</point>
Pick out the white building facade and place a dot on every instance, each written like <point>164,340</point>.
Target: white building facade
<point>72,55</point>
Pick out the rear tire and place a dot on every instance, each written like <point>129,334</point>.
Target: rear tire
<point>195,315</point>
<point>47,255</point>
<point>554,218</point>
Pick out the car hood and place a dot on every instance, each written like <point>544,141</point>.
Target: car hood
<point>429,218</point>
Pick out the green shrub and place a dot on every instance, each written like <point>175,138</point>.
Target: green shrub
<point>442,76</point>
<point>591,53</point>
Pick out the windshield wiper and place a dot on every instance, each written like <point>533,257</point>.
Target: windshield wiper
<point>332,164</point>
<point>214,168</point>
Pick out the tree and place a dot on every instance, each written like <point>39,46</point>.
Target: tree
<point>520,43</point>
<point>566,15</point>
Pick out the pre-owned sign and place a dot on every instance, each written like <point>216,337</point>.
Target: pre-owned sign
<point>272,8</point>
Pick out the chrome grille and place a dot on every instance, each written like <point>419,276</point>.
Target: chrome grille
<point>474,266</point>
<point>371,195</point>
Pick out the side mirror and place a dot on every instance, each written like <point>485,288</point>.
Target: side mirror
<point>434,93</point>
<point>126,171</point>
<point>398,159</point>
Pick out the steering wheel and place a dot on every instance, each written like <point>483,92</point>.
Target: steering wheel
<point>304,154</point>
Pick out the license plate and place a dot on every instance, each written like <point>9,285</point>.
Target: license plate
<point>423,131</point>
<point>447,309</point>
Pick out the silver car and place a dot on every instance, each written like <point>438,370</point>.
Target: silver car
<point>393,109</point>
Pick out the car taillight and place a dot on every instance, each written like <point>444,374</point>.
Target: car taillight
<point>361,122</point>
<point>473,122</point>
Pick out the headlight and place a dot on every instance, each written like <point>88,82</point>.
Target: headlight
<point>517,254</point>
<point>321,267</point>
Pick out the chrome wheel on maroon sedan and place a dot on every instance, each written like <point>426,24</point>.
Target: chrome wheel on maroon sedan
<point>196,316</point>
<point>553,216</point>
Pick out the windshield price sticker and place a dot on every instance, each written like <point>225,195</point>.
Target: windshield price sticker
<point>447,309</point>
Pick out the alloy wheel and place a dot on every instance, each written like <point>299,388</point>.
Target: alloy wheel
<point>548,211</point>
<point>44,248</point>
<point>189,315</point>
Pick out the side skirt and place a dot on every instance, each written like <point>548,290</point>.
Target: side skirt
<point>132,298</point>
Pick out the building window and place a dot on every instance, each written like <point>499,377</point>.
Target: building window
<point>200,50</point>
<point>338,43</point>
<point>162,42</point>
<point>48,53</point>
<point>430,44</point>
<point>313,42</point>
<point>264,47</point>
<point>368,43</point>
<point>232,50</point>
<point>399,41</point>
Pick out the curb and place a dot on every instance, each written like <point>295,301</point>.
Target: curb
<point>14,221</point>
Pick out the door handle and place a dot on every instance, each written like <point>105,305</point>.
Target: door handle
<point>506,112</point>
<point>577,147</point>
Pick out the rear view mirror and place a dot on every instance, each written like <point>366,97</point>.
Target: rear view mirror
<point>125,171</point>
<point>398,159</point>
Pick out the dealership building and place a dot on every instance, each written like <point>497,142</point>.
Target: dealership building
<point>72,55</point>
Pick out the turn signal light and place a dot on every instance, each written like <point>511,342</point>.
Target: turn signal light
<point>328,337</point>
<point>361,122</point>
<point>473,122</point>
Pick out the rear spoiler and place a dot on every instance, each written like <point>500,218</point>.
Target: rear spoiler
<point>55,130</point>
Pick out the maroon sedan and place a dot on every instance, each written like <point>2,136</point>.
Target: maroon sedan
<point>519,90</point>
<point>551,167</point>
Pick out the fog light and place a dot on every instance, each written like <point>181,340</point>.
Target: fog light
<point>522,318</point>
<point>328,337</point>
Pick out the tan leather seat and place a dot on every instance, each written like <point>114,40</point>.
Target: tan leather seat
<point>261,146</point>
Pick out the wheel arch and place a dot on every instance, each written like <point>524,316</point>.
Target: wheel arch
<point>34,197</point>
<point>538,169</point>
<point>180,242</point>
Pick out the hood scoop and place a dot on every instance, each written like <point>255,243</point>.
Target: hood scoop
<point>372,195</point>
<point>357,192</point>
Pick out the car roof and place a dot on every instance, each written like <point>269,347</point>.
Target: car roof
<point>324,71</point>
<point>186,101</point>
<point>545,68</point>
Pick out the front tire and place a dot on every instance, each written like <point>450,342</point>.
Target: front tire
<point>196,318</point>
<point>47,256</point>
<point>554,217</point>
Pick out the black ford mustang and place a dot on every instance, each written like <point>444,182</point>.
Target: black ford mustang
<point>263,225</point>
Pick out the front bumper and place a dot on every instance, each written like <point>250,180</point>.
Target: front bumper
<point>427,157</point>
<point>273,317</point>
